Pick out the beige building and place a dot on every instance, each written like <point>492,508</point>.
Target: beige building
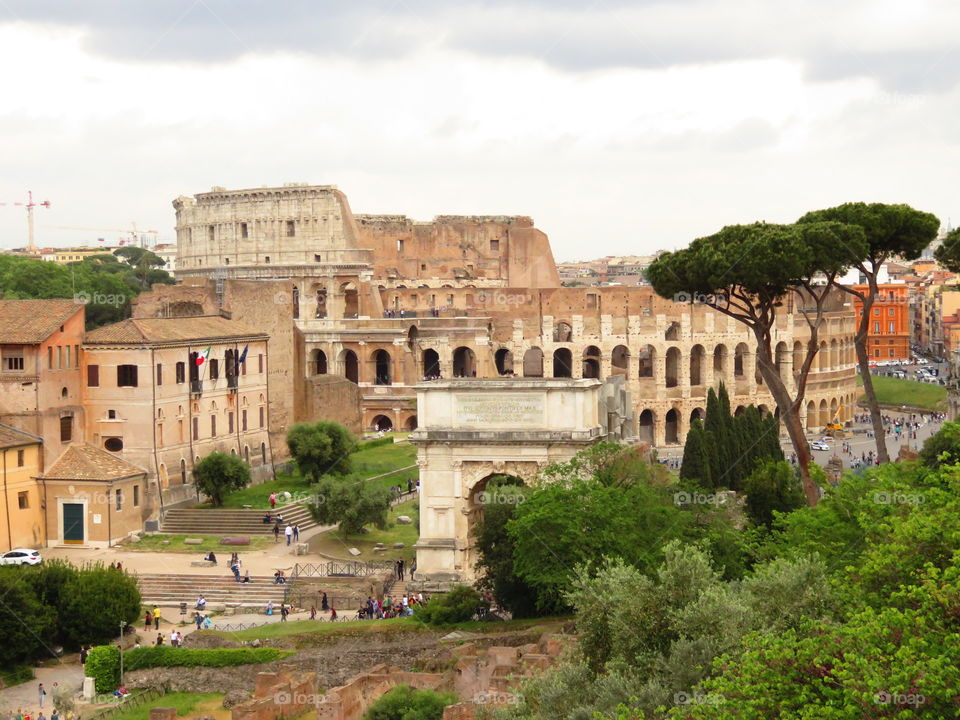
<point>40,390</point>
<point>149,402</point>
<point>92,498</point>
<point>21,460</point>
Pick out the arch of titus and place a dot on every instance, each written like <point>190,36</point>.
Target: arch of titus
<point>473,429</point>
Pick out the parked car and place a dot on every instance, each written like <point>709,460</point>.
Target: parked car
<point>819,445</point>
<point>20,556</point>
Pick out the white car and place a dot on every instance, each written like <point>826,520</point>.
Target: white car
<point>20,556</point>
<point>819,445</point>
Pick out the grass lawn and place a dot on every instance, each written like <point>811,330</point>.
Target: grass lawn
<point>369,463</point>
<point>333,544</point>
<point>192,704</point>
<point>154,543</point>
<point>895,391</point>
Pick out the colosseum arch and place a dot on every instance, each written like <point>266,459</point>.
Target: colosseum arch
<point>562,363</point>
<point>295,302</point>
<point>698,414</point>
<point>464,362</point>
<point>673,367</point>
<point>697,354</point>
<point>321,297</point>
<point>382,367</point>
<point>834,408</point>
<point>503,359</point>
<point>781,356</point>
<point>811,416</point>
<point>591,362</point>
<point>739,361</point>
<point>719,362</point>
<point>351,366</point>
<point>834,354</point>
<point>382,423</point>
<point>647,426</point>
<point>799,355</point>
<point>318,362</point>
<point>824,416</point>
<point>741,409</point>
<point>410,424</point>
<point>823,357</point>
<point>671,427</point>
<point>673,331</point>
<point>412,336</point>
<point>431,363</point>
<point>648,357</point>
<point>764,410</point>
<point>351,300</point>
<point>620,360</point>
<point>533,362</point>
<point>562,332</point>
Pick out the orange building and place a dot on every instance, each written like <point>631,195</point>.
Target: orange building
<point>889,334</point>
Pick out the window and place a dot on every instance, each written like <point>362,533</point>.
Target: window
<point>318,258</point>
<point>111,414</point>
<point>876,353</point>
<point>183,472</point>
<point>20,458</point>
<point>399,245</point>
<point>196,428</point>
<point>113,444</point>
<point>214,369</point>
<point>210,232</point>
<point>423,266</point>
<point>13,359</point>
<point>261,417</point>
<point>891,352</point>
<point>66,428</point>
<point>181,372</point>
<point>59,356</point>
<point>260,363</point>
<point>891,330</point>
<point>876,328</point>
<point>263,452</point>
<point>891,312</point>
<point>23,500</point>
<point>266,259</point>
<point>67,363</point>
<point>93,376</point>
<point>136,496</point>
<point>230,423</point>
<point>50,357</point>
<point>876,312</point>
<point>243,420</point>
<point>119,499</point>
<point>76,356</point>
<point>243,231</point>
<point>126,375</point>
<point>291,228</point>
<point>213,426</point>
<point>495,245</point>
<point>159,374</point>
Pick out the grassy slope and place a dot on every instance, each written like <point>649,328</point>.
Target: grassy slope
<point>153,543</point>
<point>895,391</point>
<point>185,704</point>
<point>333,544</point>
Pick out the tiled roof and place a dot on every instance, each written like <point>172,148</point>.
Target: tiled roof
<point>33,321</point>
<point>170,330</point>
<point>82,461</point>
<point>11,437</point>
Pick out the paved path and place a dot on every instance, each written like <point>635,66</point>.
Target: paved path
<point>24,697</point>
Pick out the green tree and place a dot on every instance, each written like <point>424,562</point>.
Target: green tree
<point>943,447</point>
<point>49,581</point>
<point>746,272</point>
<point>889,231</point>
<point>350,503</point>
<point>321,448</point>
<point>219,474</point>
<point>461,604</point>
<point>697,458</point>
<point>26,624</point>
<point>405,703</point>
<point>98,598</point>
<point>145,266</point>
<point>772,487</point>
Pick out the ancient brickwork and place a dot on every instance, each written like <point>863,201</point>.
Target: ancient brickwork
<point>284,694</point>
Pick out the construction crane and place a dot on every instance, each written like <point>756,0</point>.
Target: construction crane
<point>132,231</point>
<point>30,205</point>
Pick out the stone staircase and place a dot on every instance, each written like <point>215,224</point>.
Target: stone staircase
<point>188,521</point>
<point>220,590</point>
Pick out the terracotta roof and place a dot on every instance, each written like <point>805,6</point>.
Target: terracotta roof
<point>33,321</point>
<point>82,461</point>
<point>11,437</point>
<point>170,330</point>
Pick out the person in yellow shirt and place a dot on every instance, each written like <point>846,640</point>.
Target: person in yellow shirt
<point>156,618</point>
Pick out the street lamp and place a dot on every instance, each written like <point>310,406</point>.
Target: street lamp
<point>123,624</point>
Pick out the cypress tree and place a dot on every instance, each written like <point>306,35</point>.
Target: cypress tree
<point>696,458</point>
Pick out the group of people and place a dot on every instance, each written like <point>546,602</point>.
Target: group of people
<point>292,532</point>
<point>433,376</point>
<point>396,491</point>
<point>175,637</point>
<point>389,607</point>
<point>41,700</point>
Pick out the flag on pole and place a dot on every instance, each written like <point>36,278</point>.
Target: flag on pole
<point>202,357</point>
<point>243,355</point>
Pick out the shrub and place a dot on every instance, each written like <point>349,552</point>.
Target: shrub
<point>374,443</point>
<point>219,474</point>
<point>26,625</point>
<point>458,605</point>
<point>405,703</point>
<point>16,675</point>
<point>96,600</point>
<point>103,665</point>
<point>167,656</point>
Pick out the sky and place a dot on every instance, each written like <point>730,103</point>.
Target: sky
<point>620,127</point>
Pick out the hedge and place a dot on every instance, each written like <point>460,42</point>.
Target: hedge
<point>167,656</point>
<point>103,665</point>
<point>373,443</point>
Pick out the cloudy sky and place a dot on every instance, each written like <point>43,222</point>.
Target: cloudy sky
<point>621,127</point>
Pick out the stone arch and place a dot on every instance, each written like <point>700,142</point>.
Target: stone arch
<point>739,411</point>
<point>739,361</point>
<point>504,361</point>
<point>383,367</point>
<point>698,414</point>
<point>464,362</point>
<point>410,424</point>
<point>834,409</point>
<point>533,362</point>
<point>591,362</point>
<point>824,416</point>
<point>672,332</point>
<point>780,356</point>
<point>431,363</point>
<point>648,357</point>
<point>350,365</point>
<point>562,363</point>
<point>620,360</point>
<point>834,354</point>
<point>673,360</point>
<point>382,423</point>
<point>351,299</point>
<point>720,362</point>
<point>799,354</point>
<point>318,362</point>
<point>823,357</point>
<point>671,427</point>
<point>764,410</point>
<point>562,332</point>
<point>412,335</point>
<point>697,354</point>
<point>811,415</point>
<point>647,426</point>
<point>321,311</point>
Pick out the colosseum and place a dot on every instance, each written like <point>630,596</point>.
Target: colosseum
<point>383,302</point>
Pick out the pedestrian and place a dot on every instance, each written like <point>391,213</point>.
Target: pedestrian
<point>148,620</point>
<point>289,533</point>
<point>276,532</point>
<point>42,694</point>
<point>156,618</point>
<point>273,500</point>
<point>84,652</point>
<point>296,533</point>
<point>199,620</point>
<point>401,569</point>
<point>173,638</point>
<point>159,639</point>
<point>313,612</point>
<point>283,612</point>
<point>323,603</point>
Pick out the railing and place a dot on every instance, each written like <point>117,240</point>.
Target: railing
<point>128,703</point>
<point>236,627</point>
<point>340,568</point>
<point>196,387</point>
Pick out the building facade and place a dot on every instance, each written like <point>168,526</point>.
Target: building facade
<point>384,302</point>
<point>21,460</point>
<point>890,321</point>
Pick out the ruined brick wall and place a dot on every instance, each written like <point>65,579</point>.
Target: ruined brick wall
<point>350,701</point>
<point>331,397</point>
<point>283,694</point>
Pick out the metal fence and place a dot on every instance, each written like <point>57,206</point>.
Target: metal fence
<point>340,568</point>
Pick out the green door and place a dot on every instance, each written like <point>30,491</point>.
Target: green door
<point>73,523</point>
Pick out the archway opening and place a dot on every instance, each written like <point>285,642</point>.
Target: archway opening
<point>351,366</point>
<point>696,365</point>
<point>591,362</point>
<point>739,363</point>
<point>383,368</point>
<point>562,332</point>
<point>646,427</point>
<point>382,423</point>
<point>739,411</point>
<point>533,362</point>
<point>411,423</point>
<point>318,362</point>
<point>464,363</point>
<point>672,427</point>
<point>719,363</point>
<point>431,364</point>
<point>351,300</point>
<point>620,360</point>
<point>698,414</point>
<point>647,357</point>
<point>504,361</point>
<point>673,367</point>
<point>562,363</point>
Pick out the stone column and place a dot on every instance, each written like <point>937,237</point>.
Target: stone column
<point>660,373</point>
<point>683,376</point>
<point>660,428</point>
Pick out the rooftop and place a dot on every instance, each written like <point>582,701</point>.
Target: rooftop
<point>82,461</point>
<point>204,328</point>
<point>28,322</point>
<point>11,437</point>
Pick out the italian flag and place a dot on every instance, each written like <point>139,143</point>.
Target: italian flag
<point>202,357</point>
